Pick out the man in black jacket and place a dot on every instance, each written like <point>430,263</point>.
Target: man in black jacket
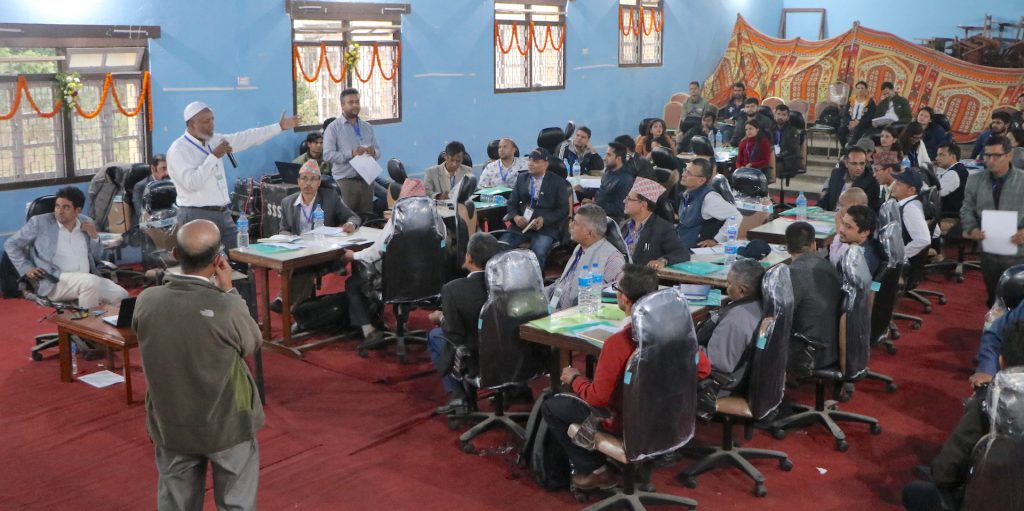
<point>461,301</point>
<point>851,171</point>
<point>650,239</point>
<point>615,182</point>
<point>538,207</point>
<point>786,144</point>
<point>816,293</point>
<point>749,112</point>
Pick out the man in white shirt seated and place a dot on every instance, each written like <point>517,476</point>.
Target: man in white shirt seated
<point>504,170</point>
<point>587,228</point>
<point>703,212</point>
<point>58,253</point>
<point>916,236</point>
<point>952,178</point>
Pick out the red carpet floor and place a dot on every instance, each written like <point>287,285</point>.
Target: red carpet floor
<point>349,433</point>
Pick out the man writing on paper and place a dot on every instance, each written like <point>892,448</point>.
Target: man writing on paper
<point>1001,187</point>
<point>440,180</point>
<point>344,141</point>
<point>195,166</point>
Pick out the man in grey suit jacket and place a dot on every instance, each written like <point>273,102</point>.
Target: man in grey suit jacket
<point>439,180</point>
<point>1001,187</point>
<point>57,252</point>
<point>297,218</point>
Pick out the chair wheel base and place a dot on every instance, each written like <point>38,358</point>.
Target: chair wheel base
<point>942,300</point>
<point>785,465</point>
<point>915,326</point>
<point>363,353</point>
<point>928,309</point>
<point>842,445</point>
<point>876,429</point>
<point>760,490</point>
<point>779,434</point>
<point>891,387</point>
<point>890,349</point>
<point>37,356</point>
<point>468,447</point>
<point>690,482</point>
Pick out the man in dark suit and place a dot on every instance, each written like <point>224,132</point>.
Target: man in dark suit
<point>853,171</point>
<point>816,293</point>
<point>297,218</point>
<point>650,239</point>
<point>538,207</point>
<point>461,301</point>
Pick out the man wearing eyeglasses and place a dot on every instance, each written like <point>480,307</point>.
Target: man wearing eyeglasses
<point>853,171</point>
<point>1000,188</point>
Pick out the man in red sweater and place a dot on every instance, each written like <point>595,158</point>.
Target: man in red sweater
<point>605,391</point>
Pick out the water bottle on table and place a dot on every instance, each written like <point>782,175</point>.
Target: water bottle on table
<point>801,208</point>
<point>731,245</point>
<point>718,138</point>
<point>583,293</point>
<point>318,222</point>
<point>243,231</point>
<point>74,358</point>
<point>905,163</point>
<point>596,286</point>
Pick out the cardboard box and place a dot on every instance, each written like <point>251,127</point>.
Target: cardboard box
<point>119,219</point>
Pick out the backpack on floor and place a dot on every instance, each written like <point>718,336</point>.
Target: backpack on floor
<point>548,463</point>
<point>322,313</point>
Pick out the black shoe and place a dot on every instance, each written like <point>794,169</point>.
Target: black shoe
<point>372,341</point>
<point>277,305</point>
<point>456,406</point>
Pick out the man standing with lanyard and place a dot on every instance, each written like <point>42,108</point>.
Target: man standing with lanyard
<point>344,141</point>
<point>195,166</point>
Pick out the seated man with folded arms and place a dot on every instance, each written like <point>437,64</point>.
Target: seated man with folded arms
<point>605,391</point>
<point>358,298</point>
<point>851,197</point>
<point>615,182</point>
<point>538,206</point>
<point>587,228</point>
<point>461,301</point>
<point>650,239</point>
<point>706,128</point>
<point>581,159</point>
<point>504,170</point>
<point>58,252</point>
<point>703,212</point>
<point>857,227</point>
<point>727,340</point>
<point>297,218</point>
<point>440,180</point>
<point>816,293</point>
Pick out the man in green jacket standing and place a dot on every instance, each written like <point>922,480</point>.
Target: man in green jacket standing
<point>201,404</point>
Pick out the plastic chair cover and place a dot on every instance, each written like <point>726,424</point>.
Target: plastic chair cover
<point>856,279</point>
<point>720,184</point>
<point>750,182</point>
<point>839,92</point>
<point>891,238</point>
<point>889,213</point>
<point>515,295</point>
<point>664,159</point>
<point>415,252</point>
<point>40,205</point>
<point>701,146</point>
<point>997,476</point>
<point>659,392</point>
<point>158,204</point>
<point>768,365</point>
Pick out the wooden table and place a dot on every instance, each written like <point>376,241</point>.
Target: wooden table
<point>563,343</point>
<point>94,329</point>
<point>314,252</point>
<point>718,279</point>
<point>775,231</point>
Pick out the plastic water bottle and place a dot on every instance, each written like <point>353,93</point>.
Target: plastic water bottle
<point>583,293</point>
<point>801,208</point>
<point>243,231</point>
<point>74,358</point>
<point>318,221</point>
<point>596,286</point>
<point>731,246</point>
<point>718,138</point>
<point>905,163</point>
<point>500,200</point>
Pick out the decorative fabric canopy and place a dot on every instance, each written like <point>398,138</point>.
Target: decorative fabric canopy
<point>797,69</point>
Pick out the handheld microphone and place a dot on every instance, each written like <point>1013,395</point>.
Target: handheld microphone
<point>231,157</point>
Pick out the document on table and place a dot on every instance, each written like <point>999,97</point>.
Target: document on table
<point>101,379</point>
<point>284,246</point>
<point>717,249</point>
<point>366,167</point>
<point>998,227</point>
<point>328,231</point>
<point>280,238</point>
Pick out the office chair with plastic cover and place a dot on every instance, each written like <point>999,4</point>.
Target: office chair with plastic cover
<point>659,400</point>
<point>765,384</point>
<point>996,476</point>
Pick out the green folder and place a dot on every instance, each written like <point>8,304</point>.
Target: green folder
<point>270,249</point>
<point>714,299</point>
<point>699,268</point>
<point>494,190</point>
<point>569,322</point>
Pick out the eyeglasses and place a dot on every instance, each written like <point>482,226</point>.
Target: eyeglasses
<point>634,199</point>
<point>994,155</point>
<point>616,288</point>
<point>309,179</point>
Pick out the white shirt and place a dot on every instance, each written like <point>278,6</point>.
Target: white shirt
<point>917,226</point>
<point>374,253</point>
<point>72,254</point>
<point>491,175</point>
<point>198,175</point>
<point>715,206</point>
<point>949,181</point>
<point>307,213</point>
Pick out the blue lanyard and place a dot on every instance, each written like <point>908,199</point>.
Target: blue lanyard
<point>503,172</point>
<point>355,128</point>
<point>309,217</point>
<point>197,146</point>
<point>451,182</point>
<point>533,191</point>
<point>630,232</point>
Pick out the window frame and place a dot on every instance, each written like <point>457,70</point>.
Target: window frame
<point>346,13</point>
<point>639,43</point>
<point>26,35</point>
<point>528,58</point>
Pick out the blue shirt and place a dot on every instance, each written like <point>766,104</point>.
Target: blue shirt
<point>340,139</point>
<point>992,341</point>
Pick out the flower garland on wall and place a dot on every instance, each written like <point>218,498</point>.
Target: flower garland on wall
<point>69,85</point>
<point>638,21</point>
<point>350,60</point>
<point>531,38</point>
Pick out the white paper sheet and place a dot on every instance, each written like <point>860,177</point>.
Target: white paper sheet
<point>366,167</point>
<point>101,379</point>
<point>998,227</point>
<point>329,231</point>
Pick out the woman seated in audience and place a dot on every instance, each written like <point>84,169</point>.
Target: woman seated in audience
<point>934,132</point>
<point>861,108</point>
<point>889,140</point>
<point>755,150</point>
<point>654,137</point>
<point>911,142</point>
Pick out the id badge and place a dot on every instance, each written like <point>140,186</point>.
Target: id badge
<point>528,214</point>
<point>777,149</point>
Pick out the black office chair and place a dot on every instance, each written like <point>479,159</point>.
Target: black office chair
<point>492,149</point>
<point>932,201</point>
<point>765,384</point>
<point>414,253</point>
<point>659,400</point>
<point>465,220</point>
<point>952,235</point>
<point>467,160</point>
<point>613,233</point>
<point>796,119</point>
<point>996,475</point>
<point>854,339</point>
<point>515,295</point>
<point>137,173</point>
<point>159,220</point>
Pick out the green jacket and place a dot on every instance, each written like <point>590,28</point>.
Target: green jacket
<point>325,166</point>
<point>193,338</point>
<point>699,108</point>
<point>900,106</point>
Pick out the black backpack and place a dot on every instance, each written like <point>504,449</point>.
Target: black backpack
<point>547,461</point>
<point>324,312</point>
<point>829,116</point>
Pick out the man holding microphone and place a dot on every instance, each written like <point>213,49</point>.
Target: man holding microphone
<point>195,166</point>
<point>345,140</point>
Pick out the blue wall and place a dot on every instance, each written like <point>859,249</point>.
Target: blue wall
<point>209,43</point>
<point>908,20</point>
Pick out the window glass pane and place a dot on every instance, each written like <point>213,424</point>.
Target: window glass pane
<point>38,138</point>
<point>510,69</point>
<point>547,65</point>
<point>28,66</point>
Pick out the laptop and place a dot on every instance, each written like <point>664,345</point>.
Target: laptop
<point>124,315</point>
<point>288,171</point>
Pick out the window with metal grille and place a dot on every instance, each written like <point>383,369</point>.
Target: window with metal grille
<point>326,37</point>
<point>40,143</point>
<point>640,32</point>
<point>529,46</point>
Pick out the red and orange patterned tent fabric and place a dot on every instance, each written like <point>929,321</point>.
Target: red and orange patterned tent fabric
<point>798,69</point>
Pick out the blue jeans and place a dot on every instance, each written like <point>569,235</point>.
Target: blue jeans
<point>540,244</point>
<point>435,346</point>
